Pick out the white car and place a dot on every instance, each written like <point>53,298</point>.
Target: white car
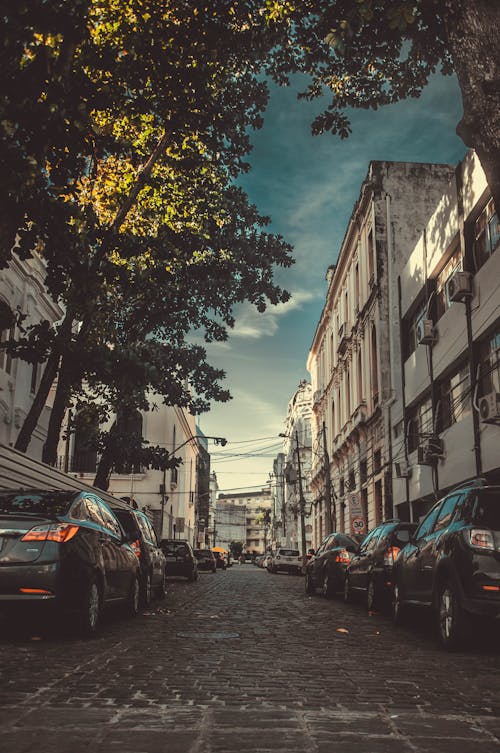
<point>288,560</point>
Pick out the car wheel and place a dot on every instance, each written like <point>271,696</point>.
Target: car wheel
<point>371,596</point>
<point>453,622</point>
<point>309,585</point>
<point>90,615</point>
<point>398,608</point>
<point>147,591</point>
<point>162,588</point>
<point>347,590</point>
<point>327,589</point>
<point>134,597</point>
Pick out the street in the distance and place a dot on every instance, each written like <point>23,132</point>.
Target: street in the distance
<point>244,660</point>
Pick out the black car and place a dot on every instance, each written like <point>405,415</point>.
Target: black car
<point>147,550</point>
<point>220,560</point>
<point>326,568</point>
<point>452,563</point>
<point>180,559</point>
<point>369,572</point>
<point>67,550</point>
<point>205,559</point>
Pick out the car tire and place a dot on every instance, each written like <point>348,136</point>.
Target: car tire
<point>134,597</point>
<point>162,588</point>
<point>90,614</point>
<point>372,599</point>
<point>347,591</point>
<point>398,608</point>
<point>453,622</point>
<point>309,585</point>
<point>147,591</point>
<point>326,588</point>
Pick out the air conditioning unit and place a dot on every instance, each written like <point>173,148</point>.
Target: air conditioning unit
<point>489,408</point>
<point>459,286</point>
<point>425,332</point>
<point>402,469</point>
<point>429,451</point>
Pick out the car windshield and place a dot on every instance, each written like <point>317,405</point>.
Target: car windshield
<point>289,552</point>
<point>486,510</point>
<point>173,547</point>
<point>36,503</point>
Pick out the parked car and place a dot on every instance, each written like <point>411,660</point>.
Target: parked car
<point>180,559</point>
<point>326,569</point>
<point>369,573</point>
<point>452,563</point>
<point>147,550</point>
<point>219,559</point>
<point>205,559</point>
<point>268,561</point>
<point>288,560</point>
<point>67,550</point>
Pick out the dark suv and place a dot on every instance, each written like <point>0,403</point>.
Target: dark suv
<point>326,568</point>
<point>452,563</point>
<point>146,548</point>
<point>180,558</point>
<point>369,572</point>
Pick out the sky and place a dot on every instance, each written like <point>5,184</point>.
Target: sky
<point>308,185</point>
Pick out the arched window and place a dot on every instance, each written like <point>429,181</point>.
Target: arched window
<point>348,393</point>
<point>334,428</point>
<point>360,377</point>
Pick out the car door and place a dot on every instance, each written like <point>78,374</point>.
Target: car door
<point>358,567</point>
<point>155,553</point>
<point>415,555</point>
<point>119,567</point>
<point>435,545</point>
<point>316,564</point>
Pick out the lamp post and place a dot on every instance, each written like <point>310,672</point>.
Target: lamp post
<point>217,440</point>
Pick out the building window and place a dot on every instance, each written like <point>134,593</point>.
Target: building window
<point>454,263</point>
<point>363,471</point>
<point>352,480</point>
<point>454,396</point>
<point>374,368</point>
<point>486,235</point>
<point>419,423</point>
<point>377,461</point>
<point>7,332</point>
<point>371,258</point>
<point>490,364</point>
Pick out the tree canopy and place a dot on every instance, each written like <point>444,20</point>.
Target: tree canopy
<point>123,126</point>
<point>368,53</point>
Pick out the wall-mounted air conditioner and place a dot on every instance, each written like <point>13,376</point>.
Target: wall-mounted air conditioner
<point>489,408</point>
<point>402,469</point>
<point>430,451</point>
<point>425,332</point>
<point>459,286</point>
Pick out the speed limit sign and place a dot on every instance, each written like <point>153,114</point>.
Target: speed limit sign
<point>358,525</point>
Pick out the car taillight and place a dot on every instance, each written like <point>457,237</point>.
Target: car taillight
<point>59,532</point>
<point>390,555</point>
<point>39,591</point>
<point>481,538</point>
<point>136,548</point>
<point>343,556</point>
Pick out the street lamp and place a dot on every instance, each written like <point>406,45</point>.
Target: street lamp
<point>217,440</point>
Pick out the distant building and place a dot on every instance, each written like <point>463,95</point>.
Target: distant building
<point>231,524</point>
<point>257,505</point>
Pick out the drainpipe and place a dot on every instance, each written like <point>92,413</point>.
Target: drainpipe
<point>390,304</point>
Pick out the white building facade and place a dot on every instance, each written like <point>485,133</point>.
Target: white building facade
<point>353,359</point>
<point>257,506</point>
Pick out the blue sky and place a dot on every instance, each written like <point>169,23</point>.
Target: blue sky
<point>308,186</point>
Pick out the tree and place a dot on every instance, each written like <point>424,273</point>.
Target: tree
<point>369,53</point>
<point>123,126</point>
<point>236,549</point>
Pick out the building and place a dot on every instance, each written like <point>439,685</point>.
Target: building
<point>353,360</point>
<point>23,296</point>
<point>231,524</point>
<point>278,509</point>
<point>445,420</point>
<point>297,450</point>
<point>257,505</point>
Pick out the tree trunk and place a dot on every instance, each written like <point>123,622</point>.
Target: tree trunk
<point>473,32</point>
<point>31,420</point>
<point>101,480</point>
<point>61,400</point>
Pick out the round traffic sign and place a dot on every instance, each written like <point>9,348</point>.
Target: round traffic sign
<point>358,525</point>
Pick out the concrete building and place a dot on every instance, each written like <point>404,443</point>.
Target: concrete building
<point>278,509</point>
<point>22,294</point>
<point>231,524</point>
<point>297,449</point>
<point>257,505</point>
<point>445,420</point>
<point>353,360</point>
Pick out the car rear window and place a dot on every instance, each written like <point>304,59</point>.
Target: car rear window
<point>401,536</point>
<point>202,554</point>
<point>174,547</point>
<point>289,552</point>
<point>486,511</point>
<point>37,503</point>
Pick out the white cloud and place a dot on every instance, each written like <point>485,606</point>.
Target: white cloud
<point>251,324</point>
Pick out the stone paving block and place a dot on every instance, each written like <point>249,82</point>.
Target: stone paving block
<point>374,725</point>
<point>428,726</point>
<point>146,741</point>
<point>61,718</point>
<point>365,745</point>
<point>455,745</point>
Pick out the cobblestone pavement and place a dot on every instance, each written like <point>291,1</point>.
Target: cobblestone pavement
<point>245,662</point>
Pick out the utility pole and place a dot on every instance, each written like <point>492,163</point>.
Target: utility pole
<point>301,505</point>
<point>328,484</point>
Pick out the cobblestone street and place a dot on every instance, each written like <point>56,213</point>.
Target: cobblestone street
<point>244,661</point>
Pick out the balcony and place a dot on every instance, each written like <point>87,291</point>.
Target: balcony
<point>343,338</point>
